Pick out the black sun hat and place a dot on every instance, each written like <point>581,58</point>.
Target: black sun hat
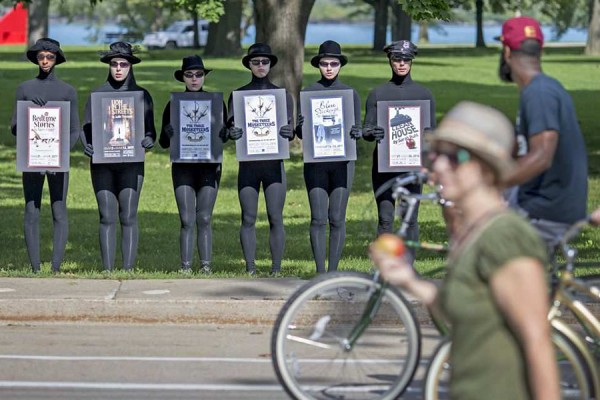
<point>259,50</point>
<point>46,44</point>
<point>120,50</point>
<point>190,62</point>
<point>329,48</point>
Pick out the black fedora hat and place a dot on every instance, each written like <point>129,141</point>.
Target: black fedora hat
<point>329,48</point>
<point>121,50</point>
<point>401,48</point>
<point>259,50</point>
<point>46,44</point>
<point>190,62</point>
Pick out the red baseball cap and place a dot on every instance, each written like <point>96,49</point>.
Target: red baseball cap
<point>516,30</point>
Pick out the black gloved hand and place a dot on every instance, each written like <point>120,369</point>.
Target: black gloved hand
<point>88,150</point>
<point>147,142</point>
<point>169,130</point>
<point>287,132</point>
<point>378,133</point>
<point>356,132</point>
<point>40,101</point>
<point>299,124</point>
<point>223,134</point>
<point>235,133</point>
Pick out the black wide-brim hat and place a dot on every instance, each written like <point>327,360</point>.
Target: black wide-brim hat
<point>329,48</point>
<point>188,63</point>
<point>401,48</point>
<point>259,50</point>
<point>46,44</point>
<point>119,50</point>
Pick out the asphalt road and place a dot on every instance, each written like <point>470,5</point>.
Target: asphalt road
<point>152,361</point>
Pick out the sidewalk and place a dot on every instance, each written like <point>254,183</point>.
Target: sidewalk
<point>220,301</point>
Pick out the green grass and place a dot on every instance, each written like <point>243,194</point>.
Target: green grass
<point>452,73</point>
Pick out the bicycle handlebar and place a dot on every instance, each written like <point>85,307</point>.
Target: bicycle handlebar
<point>417,177</point>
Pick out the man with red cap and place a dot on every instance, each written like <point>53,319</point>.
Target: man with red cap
<point>552,167</point>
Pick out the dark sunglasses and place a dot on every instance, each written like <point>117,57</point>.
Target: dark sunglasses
<point>332,64</point>
<point>191,75</point>
<point>455,158</point>
<point>258,62</point>
<point>49,57</point>
<point>122,64</point>
<point>402,59</point>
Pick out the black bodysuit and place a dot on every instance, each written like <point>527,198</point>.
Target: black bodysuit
<point>118,185</point>
<point>398,88</point>
<point>196,186</point>
<point>48,87</point>
<point>271,174</point>
<point>328,185</point>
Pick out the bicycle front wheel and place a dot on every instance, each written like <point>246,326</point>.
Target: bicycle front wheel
<point>574,372</point>
<point>309,346</point>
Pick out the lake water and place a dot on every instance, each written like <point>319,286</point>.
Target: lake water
<point>355,33</point>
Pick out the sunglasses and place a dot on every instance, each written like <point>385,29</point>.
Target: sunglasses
<point>258,62</point>
<point>402,59</point>
<point>455,158</point>
<point>191,75</point>
<point>49,57</point>
<point>122,64</point>
<point>332,64</point>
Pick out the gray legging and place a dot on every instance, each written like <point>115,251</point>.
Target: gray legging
<point>272,175</point>
<point>196,187</point>
<point>58,185</point>
<point>328,185</point>
<point>118,188</point>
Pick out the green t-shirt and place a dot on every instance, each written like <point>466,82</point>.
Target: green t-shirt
<point>487,360</point>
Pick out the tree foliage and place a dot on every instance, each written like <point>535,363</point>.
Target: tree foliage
<point>427,10</point>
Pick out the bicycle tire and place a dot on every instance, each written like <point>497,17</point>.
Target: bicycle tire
<point>575,373</point>
<point>323,311</point>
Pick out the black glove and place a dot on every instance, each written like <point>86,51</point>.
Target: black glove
<point>40,101</point>
<point>88,150</point>
<point>235,133</point>
<point>147,142</point>
<point>356,132</point>
<point>299,123</point>
<point>223,134</point>
<point>372,132</point>
<point>287,132</point>
<point>169,130</point>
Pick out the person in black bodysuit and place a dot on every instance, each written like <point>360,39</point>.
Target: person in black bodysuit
<point>400,87</point>
<point>195,184</point>
<point>46,54</point>
<point>118,185</point>
<point>270,173</point>
<point>329,183</point>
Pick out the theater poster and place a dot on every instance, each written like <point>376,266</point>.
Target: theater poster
<point>404,123</point>
<point>117,127</point>
<point>43,136</point>
<point>260,114</point>
<point>197,119</point>
<point>328,117</point>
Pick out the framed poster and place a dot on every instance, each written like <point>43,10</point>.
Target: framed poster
<point>118,127</point>
<point>403,122</point>
<point>197,118</point>
<point>328,117</point>
<point>260,114</point>
<point>43,135</point>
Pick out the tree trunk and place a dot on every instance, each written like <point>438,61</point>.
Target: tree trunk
<point>380,24</point>
<point>479,41</point>
<point>401,23</point>
<point>593,40</point>
<point>282,25</point>
<point>196,42</point>
<point>423,32</point>
<point>37,20</point>
<point>224,37</point>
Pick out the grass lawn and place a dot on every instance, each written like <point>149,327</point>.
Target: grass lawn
<point>453,74</point>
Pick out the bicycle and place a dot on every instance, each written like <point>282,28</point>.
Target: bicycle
<point>350,335</point>
<point>579,374</point>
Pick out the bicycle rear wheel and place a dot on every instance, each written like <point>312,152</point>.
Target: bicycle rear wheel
<point>574,372</point>
<point>307,344</point>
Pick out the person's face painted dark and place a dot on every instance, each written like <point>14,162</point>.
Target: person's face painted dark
<point>330,67</point>
<point>194,79</point>
<point>400,65</point>
<point>46,60</point>
<point>119,68</point>
<point>260,66</point>
<point>504,70</point>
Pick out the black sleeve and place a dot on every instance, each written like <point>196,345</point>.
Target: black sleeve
<point>149,128</point>
<point>230,114</point>
<point>86,132</point>
<point>20,95</point>
<point>75,126</point>
<point>371,109</point>
<point>164,140</point>
<point>290,108</point>
<point>356,107</point>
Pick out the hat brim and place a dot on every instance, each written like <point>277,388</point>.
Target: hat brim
<point>503,165</point>
<point>131,58</point>
<point>247,58</point>
<point>179,73</point>
<point>315,60</point>
<point>401,54</point>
